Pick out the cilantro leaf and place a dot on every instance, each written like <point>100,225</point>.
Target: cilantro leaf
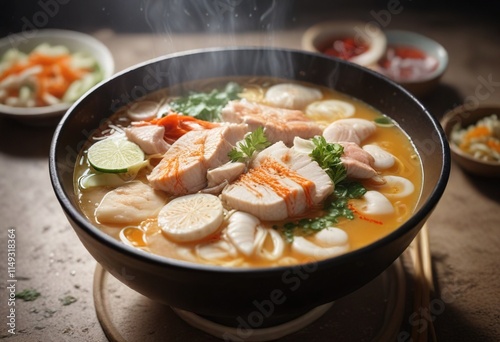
<point>253,142</point>
<point>327,155</point>
<point>206,106</point>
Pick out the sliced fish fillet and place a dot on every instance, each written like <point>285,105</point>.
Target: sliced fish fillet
<point>351,129</point>
<point>183,169</point>
<point>148,137</point>
<point>279,184</point>
<point>130,203</point>
<point>358,162</point>
<point>279,124</point>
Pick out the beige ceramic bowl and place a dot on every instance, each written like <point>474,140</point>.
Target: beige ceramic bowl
<point>315,38</point>
<point>464,118</point>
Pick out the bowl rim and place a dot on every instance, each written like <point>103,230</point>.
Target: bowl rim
<point>107,68</point>
<point>438,51</point>
<point>417,218</point>
<point>454,116</point>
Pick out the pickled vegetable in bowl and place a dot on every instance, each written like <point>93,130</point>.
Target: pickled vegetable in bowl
<point>480,140</point>
<point>47,75</point>
<point>42,74</point>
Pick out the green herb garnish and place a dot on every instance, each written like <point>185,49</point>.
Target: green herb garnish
<point>384,121</point>
<point>206,106</point>
<point>253,142</point>
<point>28,295</point>
<point>327,155</point>
<point>335,208</point>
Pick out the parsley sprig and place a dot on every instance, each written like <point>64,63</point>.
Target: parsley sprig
<point>327,155</point>
<point>253,142</point>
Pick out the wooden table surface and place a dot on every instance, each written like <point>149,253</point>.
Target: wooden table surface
<point>464,228</point>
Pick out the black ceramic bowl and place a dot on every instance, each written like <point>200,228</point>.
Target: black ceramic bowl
<point>226,294</point>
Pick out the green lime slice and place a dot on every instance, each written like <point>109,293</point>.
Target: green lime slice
<point>113,155</point>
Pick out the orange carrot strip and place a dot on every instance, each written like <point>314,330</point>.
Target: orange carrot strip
<point>178,125</point>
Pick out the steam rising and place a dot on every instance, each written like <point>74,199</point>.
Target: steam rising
<point>219,20</point>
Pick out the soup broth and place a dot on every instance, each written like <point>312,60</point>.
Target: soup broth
<point>274,243</point>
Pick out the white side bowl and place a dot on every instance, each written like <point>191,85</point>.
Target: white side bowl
<point>318,35</point>
<point>423,86</point>
<point>74,41</point>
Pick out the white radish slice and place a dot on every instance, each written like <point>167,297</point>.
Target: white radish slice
<point>241,231</point>
<point>374,203</point>
<point>142,110</point>
<point>331,242</point>
<point>291,96</point>
<point>382,159</point>
<point>396,187</point>
<point>270,237</point>
<point>330,110</point>
<point>192,217</point>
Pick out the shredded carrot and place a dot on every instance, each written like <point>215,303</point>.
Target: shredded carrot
<point>54,79</point>
<point>494,145</point>
<point>368,219</point>
<point>177,125</point>
<point>477,132</point>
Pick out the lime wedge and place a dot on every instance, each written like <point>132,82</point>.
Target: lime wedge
<point>114,155</point>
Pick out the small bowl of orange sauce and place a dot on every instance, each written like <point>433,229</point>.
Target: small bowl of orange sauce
<point>348,40</point>
<point>413,60</point>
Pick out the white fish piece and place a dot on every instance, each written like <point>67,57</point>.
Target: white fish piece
<point>149,138</point>
<point>225,173</point>
<point>130,203</point>
<point>216,250</point>
<point>351,129</point>
<point>373,203</point>
<point>304,146</point>
<point>381,158</point>
<point>279,124</point>
<point>276,241</point>
<point>291,96</point>
<point>328,242</point>
<point>395,187</point>
<point>241,231</point>
<point>183,169</point>
<point>280,183</point>
<point>358,162</point>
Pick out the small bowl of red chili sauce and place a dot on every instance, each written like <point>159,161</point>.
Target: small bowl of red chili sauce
<point>413,60</point>
<point>348,40</point>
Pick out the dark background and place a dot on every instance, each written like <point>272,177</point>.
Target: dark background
<point>214,15</point>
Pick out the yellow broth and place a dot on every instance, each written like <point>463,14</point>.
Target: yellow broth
<point>362,230</point>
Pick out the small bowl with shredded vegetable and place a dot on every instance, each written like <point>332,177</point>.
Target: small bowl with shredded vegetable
<point>43,72</point>
<point>474,137</point>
